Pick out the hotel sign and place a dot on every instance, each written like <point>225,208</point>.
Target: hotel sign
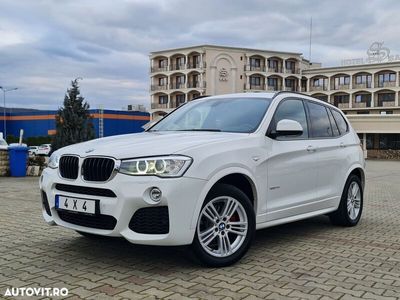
<point>376,53</point>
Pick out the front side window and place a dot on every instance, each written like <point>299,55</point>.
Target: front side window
<point>242,115</point>
<point>320,124</point>
<point>292,109</point>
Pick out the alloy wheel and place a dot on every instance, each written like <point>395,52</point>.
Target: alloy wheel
<point>353,200</point>
<point>222,227</point>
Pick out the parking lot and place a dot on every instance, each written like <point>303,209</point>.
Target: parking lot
<point>310,259</point>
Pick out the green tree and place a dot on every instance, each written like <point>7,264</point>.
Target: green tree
<point>73,121</point>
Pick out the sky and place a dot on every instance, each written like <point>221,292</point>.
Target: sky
<point>44,44</point>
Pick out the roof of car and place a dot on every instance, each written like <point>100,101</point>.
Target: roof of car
<point>268,96</point>
<point>244,95</point>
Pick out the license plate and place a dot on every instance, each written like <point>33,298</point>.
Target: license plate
<point>76,204</point>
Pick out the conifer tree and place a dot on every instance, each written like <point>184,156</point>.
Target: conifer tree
<point>73,121</point>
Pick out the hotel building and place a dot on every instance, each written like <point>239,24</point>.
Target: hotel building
<point>367,93</point>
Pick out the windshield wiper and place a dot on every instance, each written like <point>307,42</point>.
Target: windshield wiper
<point>201,129</point>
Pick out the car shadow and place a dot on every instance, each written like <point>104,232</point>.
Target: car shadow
<point>117,253</point>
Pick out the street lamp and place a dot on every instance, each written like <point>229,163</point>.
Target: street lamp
<point>4,107</point>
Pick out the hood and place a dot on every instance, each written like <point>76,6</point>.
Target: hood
<point>147,144</point>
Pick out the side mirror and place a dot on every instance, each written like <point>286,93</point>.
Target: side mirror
<point>287,127</point>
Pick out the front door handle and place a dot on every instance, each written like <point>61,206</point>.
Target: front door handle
<point>311,148</point>
<point>342,145</point>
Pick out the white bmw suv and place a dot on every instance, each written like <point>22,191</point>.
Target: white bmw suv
<point>210,174</point>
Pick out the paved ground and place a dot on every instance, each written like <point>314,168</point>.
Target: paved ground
<point>304,260</point>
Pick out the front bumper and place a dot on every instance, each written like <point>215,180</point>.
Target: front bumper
<point>180,195</point>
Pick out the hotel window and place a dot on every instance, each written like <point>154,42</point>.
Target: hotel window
<point>180,79</point>
<point>387,112</point>
<point>255,62</point>
<point>318,82</point>
<point>363,79</point>
<point>289,82</point>
<point>389,141</point>
<point>272,63</point>
<point>273,82</point>
<point>255,80</point>
<point>180,61</point>
<point>387,77</point>
<point>163,99</point>
<point>162,63</point>
<point>290,65</point>
<point>359,98</point>
<point>386,97</point>
<point>196,60</point>
<point>342,80</point>
<point>180,99</point>
<point>195,79</point>
<point>162,81</point>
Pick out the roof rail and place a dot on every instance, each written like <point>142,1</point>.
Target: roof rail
<point>290,92</point>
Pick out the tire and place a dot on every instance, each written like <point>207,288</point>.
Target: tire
<point>228,237</point>
<point>351,204</point>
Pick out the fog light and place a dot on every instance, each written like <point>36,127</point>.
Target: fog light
<point>155,194</point>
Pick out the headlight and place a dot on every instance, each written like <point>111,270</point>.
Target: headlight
<point>53,161</point>
<point>163,166</point>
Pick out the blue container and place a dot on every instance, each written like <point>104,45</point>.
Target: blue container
<point>18,156</point>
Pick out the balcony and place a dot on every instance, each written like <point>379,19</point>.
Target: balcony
<point>159,105</point>
<point>292,71</point>
<point>274,88</point>
<point>256,87</point>
<point>195,65</point>
<point>303,89</point>
<point>275,70</point>
<point>360,105</point>
<point>177,85</point>
<point>196,84</point>
<point>388,103</point>
<point>175,67</point>
<point>364,85</point>
<point>343,105</point>
<point>291,88</point>
<point>318,88</point>
<point>254,68</point>
<point>158,87</point>
<point>341,87</point>
<point>386,84</point>
<point>159,69</point>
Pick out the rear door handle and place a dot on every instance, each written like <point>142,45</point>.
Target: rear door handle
<point>311,148</point>
<point>342,145</point>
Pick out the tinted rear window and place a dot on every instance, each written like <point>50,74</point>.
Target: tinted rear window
<point>340,121</point>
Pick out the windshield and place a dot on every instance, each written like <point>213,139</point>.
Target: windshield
<point>228,114</point>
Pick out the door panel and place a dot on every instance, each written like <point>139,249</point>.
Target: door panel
<point>291,178</point>
<point>291,164</point>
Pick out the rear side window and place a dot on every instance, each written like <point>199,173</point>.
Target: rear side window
<point>340,121</point>
<point>319,119</point>
<point>335,128</point>
<point>292,109</point>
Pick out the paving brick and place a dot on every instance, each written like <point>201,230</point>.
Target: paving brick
<point>303,260</point>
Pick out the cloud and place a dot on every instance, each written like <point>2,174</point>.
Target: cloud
<point>44,44</point>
